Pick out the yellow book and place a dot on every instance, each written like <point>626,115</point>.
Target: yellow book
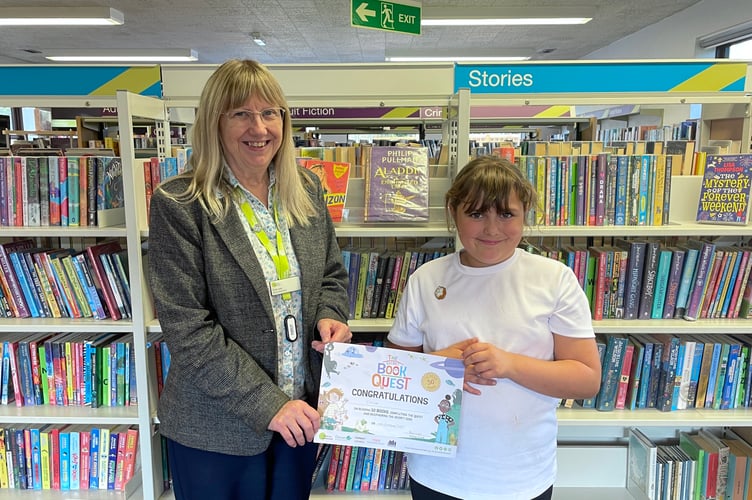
<point>700,159</point>
<point>659,185</point>
<point>362,278</point>
<point>104,456</point>
<point>70,383</point>
<point>46,287</point>
<point>3,463</point>
<point>67,290</point>
<point>540,188</point>
<point>44,449</point>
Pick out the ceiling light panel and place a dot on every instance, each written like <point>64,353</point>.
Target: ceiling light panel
<point>60,16</point>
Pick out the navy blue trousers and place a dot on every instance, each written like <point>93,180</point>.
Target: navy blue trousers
<point>280,473</point>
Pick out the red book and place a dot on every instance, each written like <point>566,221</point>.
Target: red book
<point>148,187</point>
<point>333,464</point>
<point>19,396</point>
<point>85,446</point>
<point>55,457</point>
<point>343,470</point>
<point>626,370</point>
<point>92,253</point>
<point>129,462</point>
<point>62,164</point>
<point>18,171</point>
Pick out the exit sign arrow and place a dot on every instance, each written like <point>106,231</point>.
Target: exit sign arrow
<point>399,17</point>
<point>364,12</point>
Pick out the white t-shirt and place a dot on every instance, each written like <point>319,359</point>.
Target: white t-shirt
<point>507,435</point>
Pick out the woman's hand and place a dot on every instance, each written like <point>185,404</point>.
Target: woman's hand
<point>297,422</point>
<point>331,330</point>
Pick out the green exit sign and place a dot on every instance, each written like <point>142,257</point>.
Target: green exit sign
<point>401,17</point>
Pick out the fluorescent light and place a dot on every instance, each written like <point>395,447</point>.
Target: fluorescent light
<point>506,22</point>
<point>448,16</point>
<point>256,37</point>
<point>456,58</point>
<point>458,55</point>
<point>60,16</point>
<point>122,55</point>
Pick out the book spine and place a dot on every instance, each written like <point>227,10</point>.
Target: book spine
<point>24,286</point>
<point>685,286</point>
<point>674,281</point>
<point>623,385</point>
<point>661,283</point>
<point>650,271</point>
<point>634,280</point>
<point>704,264</point>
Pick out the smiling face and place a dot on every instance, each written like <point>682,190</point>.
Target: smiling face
<point>490,237</point>
<point>488,201</point>
<point>248,141</point>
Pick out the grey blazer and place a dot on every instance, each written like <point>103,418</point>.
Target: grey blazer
<point>213,305</point>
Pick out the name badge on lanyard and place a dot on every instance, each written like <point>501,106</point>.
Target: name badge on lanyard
<point>286,285</point>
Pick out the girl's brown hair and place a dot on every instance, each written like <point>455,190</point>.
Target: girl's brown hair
<point>487,182</point>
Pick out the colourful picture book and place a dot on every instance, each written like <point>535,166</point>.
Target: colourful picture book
<point>396,185</point>
<point>725,189</point>
<point>334,178</point>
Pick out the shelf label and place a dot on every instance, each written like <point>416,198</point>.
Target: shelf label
<point>80,80</point>
<point>377,113</point>
<point>402,17</point>
<point>601,78</point>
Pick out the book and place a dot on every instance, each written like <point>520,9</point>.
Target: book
<point>334,178</point>
<point>635,270</point>
<point>396,185</point>
<point>661,282</point>
<point>649,279</point>
<point>691,252</point>
<point>624,378</point>
<point>109,188</point>
<point>636,369</point>
<point>333,464</point>
<point>94,252</point>
<point>641,470</point>
<point>673,282</point>
<point>611,372</point>
<point>717,446</point>
<point>739,467</point>
<point>11,285</point>
<point>667,373</point>
<point>323,455</point>
<point>699,280</point>
<point>725,189</point>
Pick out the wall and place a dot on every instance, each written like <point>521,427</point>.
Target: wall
<point>676,37</point>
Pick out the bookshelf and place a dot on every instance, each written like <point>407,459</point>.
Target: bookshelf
<point>591,441</point>
<point>138,416</point>
<point>592,452</point>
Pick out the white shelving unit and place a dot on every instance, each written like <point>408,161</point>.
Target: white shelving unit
<point>592,452</point>
<point>141,415</point>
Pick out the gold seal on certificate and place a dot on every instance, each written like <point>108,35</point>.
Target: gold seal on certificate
<point>389,398</point>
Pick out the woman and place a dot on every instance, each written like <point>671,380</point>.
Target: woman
<point>520,322</point>
<point>249,286</point>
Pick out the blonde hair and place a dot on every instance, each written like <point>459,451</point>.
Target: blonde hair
<point>228,88</point>
<point>488,182</point>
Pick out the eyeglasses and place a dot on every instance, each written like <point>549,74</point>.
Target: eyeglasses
<point>268,115</point>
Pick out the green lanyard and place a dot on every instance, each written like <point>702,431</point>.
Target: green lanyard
<point>278,255</point>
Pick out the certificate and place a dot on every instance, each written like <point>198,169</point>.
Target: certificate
<point>391,399</point>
